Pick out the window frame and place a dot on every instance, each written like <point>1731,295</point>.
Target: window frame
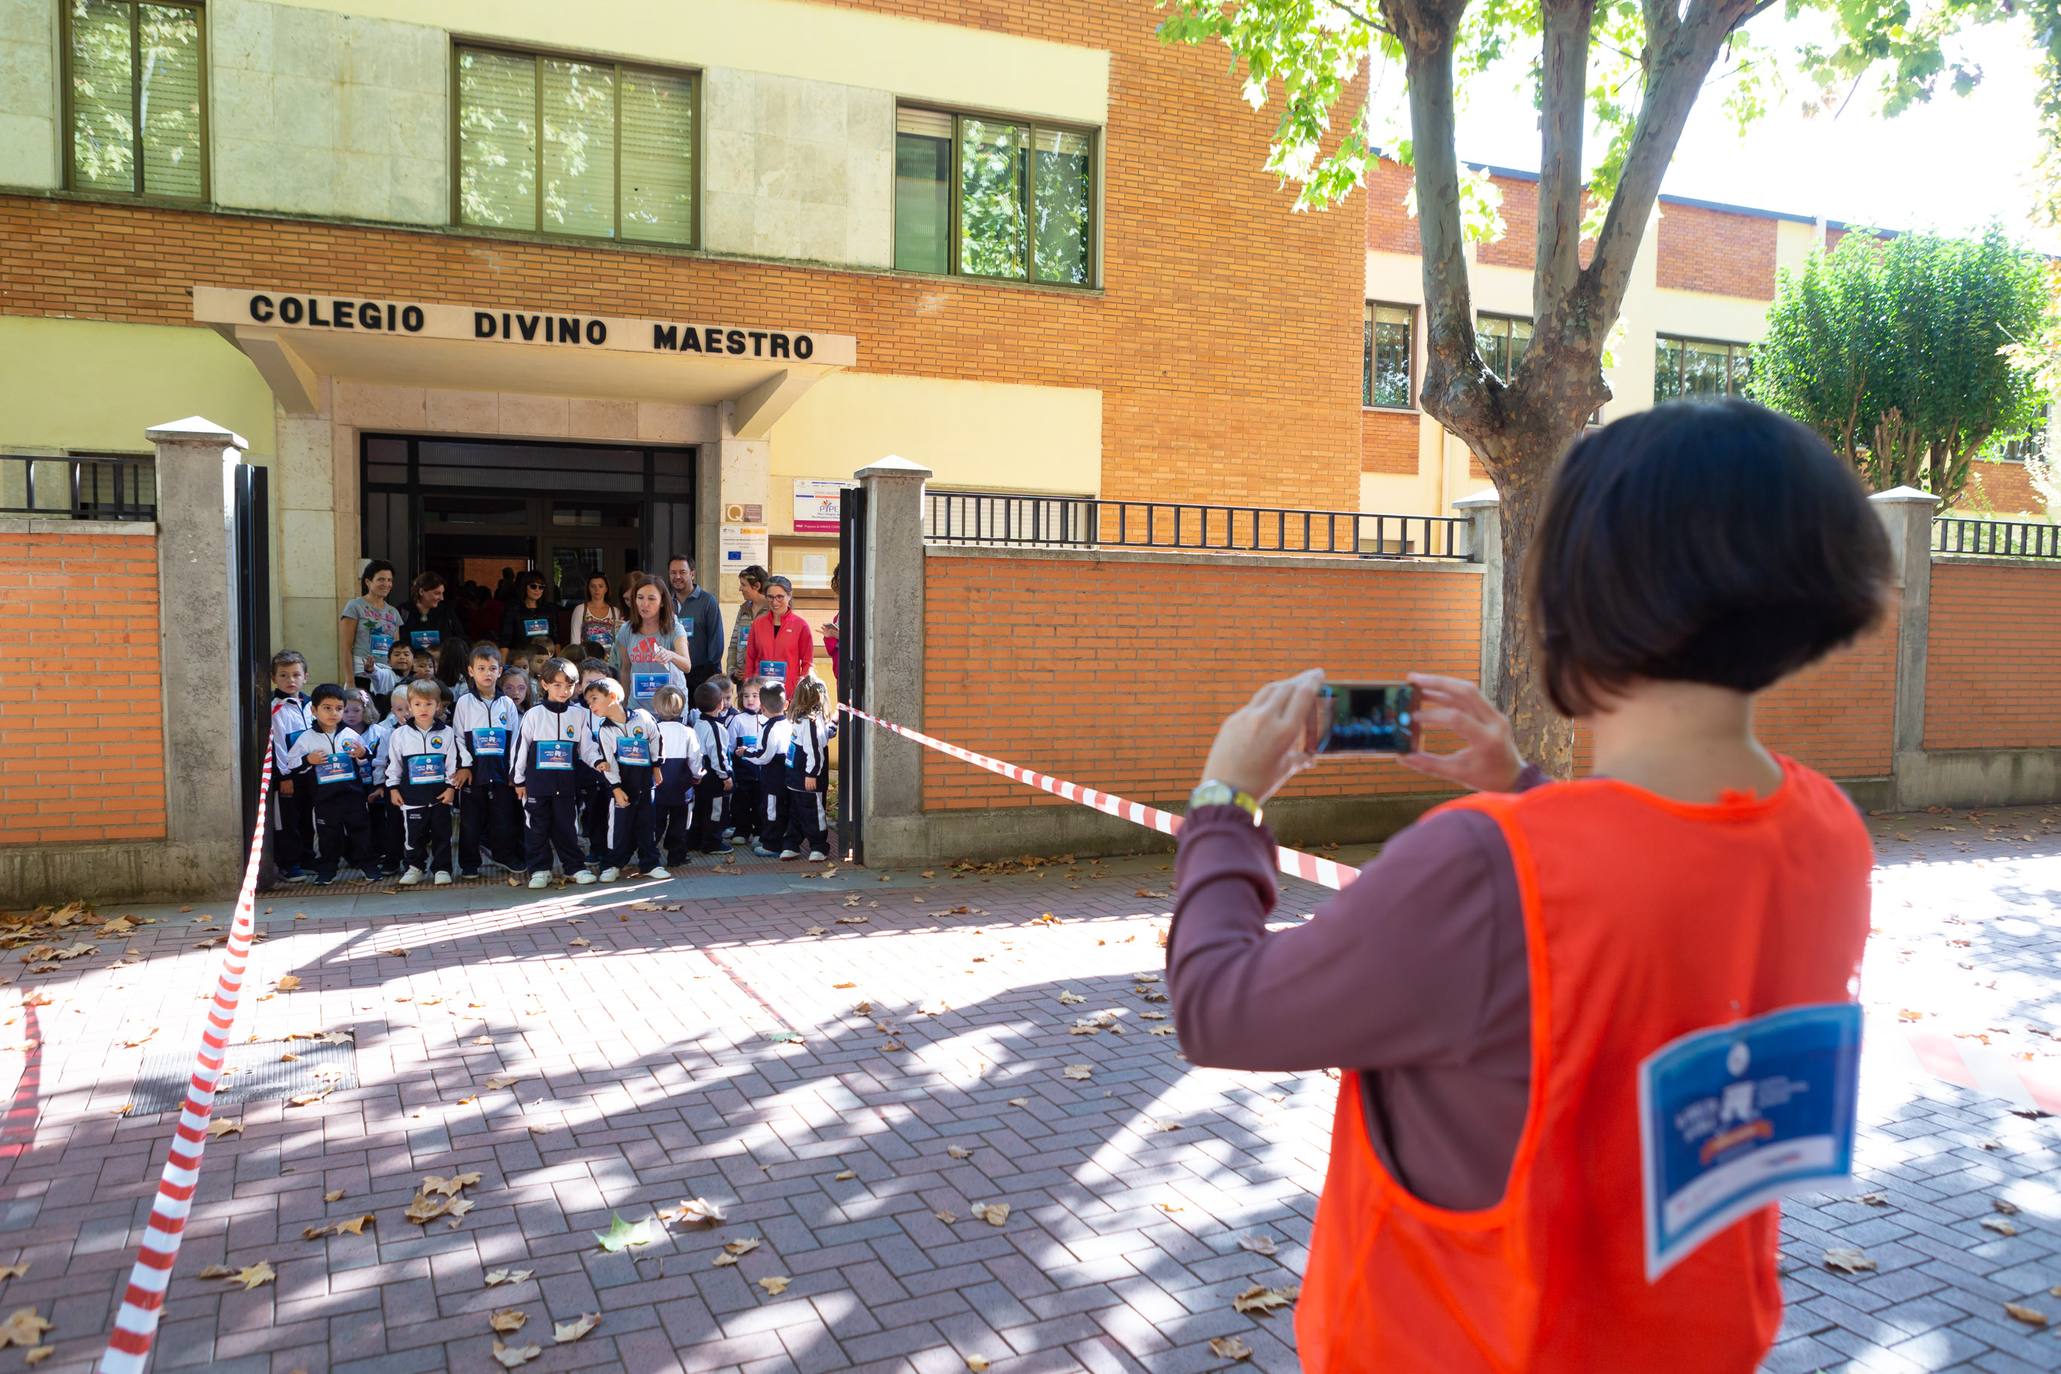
<point>71,131</point>
<point>1033,126</point>
<point>1682,341</point>
<point>1367,350</point>
<point>538,56</point>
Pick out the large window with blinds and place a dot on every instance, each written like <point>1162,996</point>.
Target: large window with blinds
<point>1385,358</point>
<point>983,196</point>
<point>135,112</point>
<point>561,145</point>
<point>1699,367</point>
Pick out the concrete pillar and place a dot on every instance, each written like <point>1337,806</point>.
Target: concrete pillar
<point>891,768</point>
<point>1485,546</point>
<point>1907,516</point>
<point>197,630</point>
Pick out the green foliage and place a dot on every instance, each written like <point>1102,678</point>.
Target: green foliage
<point>621,1235</point>
<point>1901,353</point>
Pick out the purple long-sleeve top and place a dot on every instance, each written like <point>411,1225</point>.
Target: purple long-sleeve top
<point>1415,975</point>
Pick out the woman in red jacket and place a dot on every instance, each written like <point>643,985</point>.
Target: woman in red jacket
<point>1588,1030</point>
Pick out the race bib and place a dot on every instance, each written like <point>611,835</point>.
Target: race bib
<point>748,741</point>
<point>633,750</point>
<point>644,685</point>
<point>775,671</point>
<point>367,770</point>
<point>337,767</point>
<point>425,641</point>
<point>1732,1118</point>
<point>382,641</point>
<point>536,627</point>
<point>425,768</point>
<point>554,755</point>
<point>794,753</point>
<point>595,632</point>
<point>490,742</point>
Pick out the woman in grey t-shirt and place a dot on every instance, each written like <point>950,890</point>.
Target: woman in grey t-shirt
<point>369,625</point>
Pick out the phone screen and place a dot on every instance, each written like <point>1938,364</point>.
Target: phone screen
<point>1365,718</point>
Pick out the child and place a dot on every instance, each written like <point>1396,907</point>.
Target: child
<point>808,771</point>
<point>519,660</point>
<point>680,770</point>
<point>329,751</point>
<point>382,820</point>
<point>771,758</point>
<point>450,662</point>
<point>622,752</point>
<point>422,765</point>
<point>710,802</point>
<point>293,815</point>
<point>545,776</point>
<point>593,792</point>
<point>400,661</point>
<point>744,726</point>
<point>515,686</point>
<point>486,724</point>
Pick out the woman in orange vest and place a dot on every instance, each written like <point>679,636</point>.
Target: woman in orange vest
<point>1588,1030</point>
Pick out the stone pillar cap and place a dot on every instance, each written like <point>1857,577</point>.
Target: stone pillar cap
<point>894,465</point>
<point>196,429</point>
<point>1481,500</point>
<point>1898,494</point>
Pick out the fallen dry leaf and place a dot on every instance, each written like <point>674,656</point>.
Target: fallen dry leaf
<point>1262,1299</point>
<point>515,1356</point>
<point>23,1327</point>
<point>252,1275</point>
<point>1071,999</point>
<point>448,1187</point>
<point>2009,1209</point>
<point>287,982</point>
<point>1874,1199</point>
<point>946,1217</point>
<point>218,1271</point>
<point>853,920</point>
<point>397,951</point>
<point>497,1277</point>
<point>1230,1348</point>
<point>775,1284</point>
<point>1162,1030</point>
<point>993,1213</point>
<point>423,1209</point>
<point>508,1320</point>
<point>576,1328</point>
<point>736,1250</point>
<point>36,1356</point>
<point>482,1039</point>
<point>958,1152</point>
<point>1259,1243</point>
<point>1848,1259</point>
<point>309,1099</point>
<point>1999,1225</point>
<point>2031,1316</point>
<point>974,1363</point>
<point>844,985</point>
<point>353,1226</point>
<point>333,1195</point>
<point>503,1080</point>
<point>693,1212</point>
<point>288,1058</point>
<point>138,1042</point>
<point>1019,1102</point>
<point>579,942</point>
<point>844,1175</point>
<point>12,1271</point>
<point>1079,1071</point>
<point>219,1127</point>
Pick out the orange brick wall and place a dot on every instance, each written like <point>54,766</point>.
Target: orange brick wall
<point>1993,658</point>
<point>1388,441</point>
<point>92,598</point>
<point>2000,487</point>
<point>1839,715</point>
<point>1710,250</point>
<point>1391,228</point>
<point>1519,246</point>
<point>1188,342</point>
<point>1115,674</point>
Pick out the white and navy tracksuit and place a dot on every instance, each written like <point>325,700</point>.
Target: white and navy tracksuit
<point>342,829</point>
<point>709,810</point>
<point>680,770</point>
<point>745,727</point>
<point>808,760</point>
<point>625,756</point>
<point>775,733</point>
<point>420,765</point>
<point>487,809</point>
<point>547,768</point>
<point>382,814</point>
<point>293,817</point>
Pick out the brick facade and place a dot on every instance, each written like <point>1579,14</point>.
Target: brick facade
<point>1388,441</point>
<point>1391,228</point>
<point>1993,660</point>
<point>89,600</point>
<point>1839,715</point>
<point>1519,246</point>
<point>1722,253</point>
<point>2001,489</point>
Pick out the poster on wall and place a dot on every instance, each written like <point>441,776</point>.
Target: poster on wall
<point>744,546</point>
<point>816,505</point>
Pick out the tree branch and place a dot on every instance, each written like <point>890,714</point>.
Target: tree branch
<point>1369,20</point>
<point>1563,107</point>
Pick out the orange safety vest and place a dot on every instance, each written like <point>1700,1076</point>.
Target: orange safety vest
<point>1645,919</point>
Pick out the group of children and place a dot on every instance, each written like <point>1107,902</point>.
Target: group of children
<point>551,760</point>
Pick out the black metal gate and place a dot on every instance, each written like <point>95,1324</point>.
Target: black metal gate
<point>250,545</point>
<point>851,674</point>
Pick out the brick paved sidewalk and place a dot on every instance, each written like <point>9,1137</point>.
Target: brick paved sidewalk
<point>815,1055</point>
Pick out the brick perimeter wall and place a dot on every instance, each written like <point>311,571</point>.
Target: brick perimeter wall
<point>1116,674</point>
<point>1839,715</point>
<point>90,767</point>
<point>1993,658</point>
<point>1708,250</point>
<point>1388,441</point>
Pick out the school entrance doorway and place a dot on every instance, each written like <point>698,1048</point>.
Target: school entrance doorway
<point>476,509</point>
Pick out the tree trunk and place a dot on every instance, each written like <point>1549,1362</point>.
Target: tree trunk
<point>1544,736</point>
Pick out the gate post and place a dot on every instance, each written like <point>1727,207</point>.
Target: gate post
<point>197,631</point>
<point>1484,513</point>
<point>1906,515</point>
<point>891,768</point>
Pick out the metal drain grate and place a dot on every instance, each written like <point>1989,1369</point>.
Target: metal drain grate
<point>252,1072</point>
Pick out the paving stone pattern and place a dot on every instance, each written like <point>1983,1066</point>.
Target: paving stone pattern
<point>702,1042</point>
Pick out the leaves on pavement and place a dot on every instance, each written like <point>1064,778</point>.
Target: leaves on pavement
<point>515,1356</point>
<point>2031,1316</point>
<point>508,1320</point>
<point>620,1234</point>
<point>12,1271</point>
<point>1999,1225</point>
<point>693,1212</point>
<point>218,1271</point>
<point>1071,999</point>
<point>503,1080</point>
<point>775,1284</point>
<point>252,1275</point>
<point>993,1213</point>
<point>1230,1348</point>
<point>1846,1258</point>
<point>736,1250</point>
<point>1262,1299</point>
<point>23,1327</point>
<point>219,1127</point>
<point>1080,1072</point>
<point>287,982</point>
<point>497,1277</point>
<point>1259,1243</point>
<point>958,1152</point>
<point>576,1328</point>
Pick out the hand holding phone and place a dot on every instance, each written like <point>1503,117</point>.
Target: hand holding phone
<point>1364,718</point>
<point>1487,759</point>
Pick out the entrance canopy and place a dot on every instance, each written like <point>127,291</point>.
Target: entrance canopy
<point>296,338</point>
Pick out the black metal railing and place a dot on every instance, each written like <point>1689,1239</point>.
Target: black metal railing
<point>1996,538</point>
<point>78,486</point>
<point>1061,522</point>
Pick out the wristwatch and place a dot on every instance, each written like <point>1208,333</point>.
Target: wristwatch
<point>1214,793</point>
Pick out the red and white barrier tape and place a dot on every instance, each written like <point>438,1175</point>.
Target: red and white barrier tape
<point>128,1345</point>
<point>1293,862</point>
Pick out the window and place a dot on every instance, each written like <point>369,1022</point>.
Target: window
<point>1385,361</point>
<point>1502,340</point>
<point>2031,444</point>
<point>1693,367</point>
<point>552,145</point>
<point>987,197</point>
<point>133,81</point>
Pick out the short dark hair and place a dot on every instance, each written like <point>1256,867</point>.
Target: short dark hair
<point>680,558</point>
<point>552,669</point>
<point>425,582</point>
<point>370,571</point>
<point>1712,542</point>
<point>326,692</point>
<point>772,697</point>
<point>707,698</point>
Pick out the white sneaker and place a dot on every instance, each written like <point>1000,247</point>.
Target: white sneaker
<point>584,877</point>
<point>540,879</point>
<point>817,856</point>
<point>609,875</point>
<point>790,853</point>
<point>657,873</point>
<point>443,880</point>
<point>411,877</point>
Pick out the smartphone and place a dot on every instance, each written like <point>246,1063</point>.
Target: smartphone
<point>1365,718</point>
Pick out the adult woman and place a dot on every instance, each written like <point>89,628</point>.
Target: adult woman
<point>833,633</point>
<point>650,650</point>
<point>781,647</point>
<point>528,615</point>
<point>595,620</point>
<point>1549,1154</point>
<point>369,624</point>
<point>427,622</point>
<point>751,586</point>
